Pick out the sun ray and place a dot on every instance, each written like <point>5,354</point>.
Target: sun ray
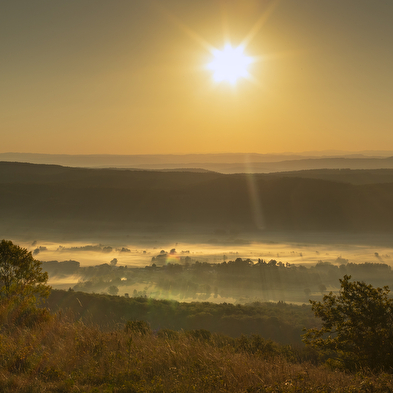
<point>255,199</point>
<point>259,23</point>
<point>187,30</point>
<point>224,21</point>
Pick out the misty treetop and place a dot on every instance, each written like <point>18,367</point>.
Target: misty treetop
<point>242,280</point>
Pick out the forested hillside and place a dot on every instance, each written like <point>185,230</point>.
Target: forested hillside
<point>44,194</point>
<point>279,322</point>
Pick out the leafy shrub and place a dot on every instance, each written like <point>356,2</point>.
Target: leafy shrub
<point>357,326</point>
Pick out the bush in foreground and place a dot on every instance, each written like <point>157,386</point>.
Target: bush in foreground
<point>23,285</point>
<point>357,327</point>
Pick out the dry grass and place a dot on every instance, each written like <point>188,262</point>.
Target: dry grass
<point>64,356</point>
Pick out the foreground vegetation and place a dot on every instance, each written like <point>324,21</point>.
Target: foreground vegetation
<point>59,355</point>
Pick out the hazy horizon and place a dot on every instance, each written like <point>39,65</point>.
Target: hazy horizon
<point>300,153</point>
<point>222,163</point>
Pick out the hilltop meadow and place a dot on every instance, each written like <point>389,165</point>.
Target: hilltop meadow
<point>69,351</point>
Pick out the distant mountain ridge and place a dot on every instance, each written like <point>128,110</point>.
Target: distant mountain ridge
<point>50,196</point>
<point>224,163</point>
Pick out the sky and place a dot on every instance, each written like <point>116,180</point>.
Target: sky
<point>132,76</point>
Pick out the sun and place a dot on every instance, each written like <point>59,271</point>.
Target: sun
<point>229,64</point>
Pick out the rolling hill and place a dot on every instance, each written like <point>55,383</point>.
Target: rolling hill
<point>51,196</point>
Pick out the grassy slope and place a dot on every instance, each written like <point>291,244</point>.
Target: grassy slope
<point>62,356</point>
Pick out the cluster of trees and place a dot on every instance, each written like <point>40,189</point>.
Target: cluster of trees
<point>90,247</point>
<point>266,280</point>
<point>241,279</point>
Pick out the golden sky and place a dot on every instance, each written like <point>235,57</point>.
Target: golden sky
<point>131,76</point>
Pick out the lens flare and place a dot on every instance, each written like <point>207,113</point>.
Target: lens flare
<point>229,64</point>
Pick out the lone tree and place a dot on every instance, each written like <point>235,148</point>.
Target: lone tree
<point>113,290</point>
<point>357,326</point>
<point>21,276</point>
